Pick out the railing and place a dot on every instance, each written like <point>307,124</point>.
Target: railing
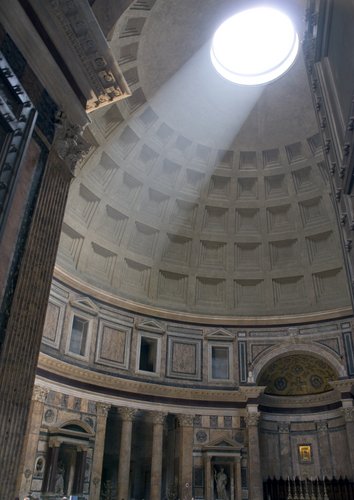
<point>308,489</point>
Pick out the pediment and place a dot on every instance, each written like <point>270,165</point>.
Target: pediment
<point>151,325</point>
<point>85,304</point>
<point>220,334</point>
<point>223,443</point>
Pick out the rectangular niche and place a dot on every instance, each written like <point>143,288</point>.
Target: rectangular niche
<point>79,340</point>
<point>148,356</point>
<point>113,344</point>
<point>184,358</point>
<point>220,361</point>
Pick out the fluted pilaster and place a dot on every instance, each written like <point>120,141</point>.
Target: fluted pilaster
<point>97,461</point>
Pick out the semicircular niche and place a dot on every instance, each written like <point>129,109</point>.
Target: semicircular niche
<point>297,375</point>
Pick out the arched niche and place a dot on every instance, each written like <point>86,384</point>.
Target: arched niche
<point>297,374</point>
<point>286,349</point>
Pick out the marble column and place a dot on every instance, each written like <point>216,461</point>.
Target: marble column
<point>127,415</point>
<point>285,450</point>
<point>207,480</point>
<point>324,449</point>
<point>185,456</point>
<point>52,467</point>
<point>255,483</point>
<point>80,467</point>
<point>348,414</point>
<point>238,480</point>
<point>97,460</point>
<point>158,419</point>
<point>39,396</point>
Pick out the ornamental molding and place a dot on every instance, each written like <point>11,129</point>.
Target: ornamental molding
<point>82,33</point>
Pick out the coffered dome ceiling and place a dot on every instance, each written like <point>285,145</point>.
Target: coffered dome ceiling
<point>203,196</point>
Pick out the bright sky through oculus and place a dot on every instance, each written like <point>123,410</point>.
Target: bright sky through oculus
<point>255,46</point>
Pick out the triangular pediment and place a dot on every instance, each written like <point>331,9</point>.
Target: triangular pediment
<point>220,334</point>
<point>85,304</point>
<point>223,443</point>
<point>151,325</point>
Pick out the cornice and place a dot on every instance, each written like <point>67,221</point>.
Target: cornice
<point>77,375</point>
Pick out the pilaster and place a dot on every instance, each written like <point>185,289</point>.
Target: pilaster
<point>97,461</point>
<point>255,484</point>
<point>39,396</point>
<point>25,321</point>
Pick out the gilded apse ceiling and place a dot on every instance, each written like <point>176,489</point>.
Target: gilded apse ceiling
<point>297,375</point>
<point>202,196</point>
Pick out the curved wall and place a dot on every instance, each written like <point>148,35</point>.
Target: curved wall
<point>150,359</point>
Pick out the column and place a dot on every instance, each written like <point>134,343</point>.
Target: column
<point>255,483</point>
<point>80,466</point>
<point>324,449</point>
<point>127,415</point>
<point>285,465</point>
<point>238,480</point>
<point>39,396</point>
<point>348,414</point>
<point>207,478</point>
<point>53,455</point>
<point>97,460</point>
<point>158,419</point>
<point>27,298</point>
<point>185,456</point>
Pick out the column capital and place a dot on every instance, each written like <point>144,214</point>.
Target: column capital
<point>102,409</point>
<point>127,414</point>
<point>348,413</point>
<point>253,416</point>
<point>321,426</point>
<point>69,144</point>
<point>40,393</point>
<point>158,417</point>
<point>283,427</point>
<point>185,420</point>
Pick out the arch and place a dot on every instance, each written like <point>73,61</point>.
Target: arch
<point>290,349</point>
<point>76,423</point>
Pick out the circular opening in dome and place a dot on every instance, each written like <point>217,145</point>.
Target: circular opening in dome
<point>254,46</point>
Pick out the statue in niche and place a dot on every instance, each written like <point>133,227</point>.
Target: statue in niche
<point>221,482</point>
<point>59,481</point>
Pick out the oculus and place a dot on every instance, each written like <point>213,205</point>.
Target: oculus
<point>255,46</point>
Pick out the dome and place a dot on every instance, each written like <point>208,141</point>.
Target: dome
<point>204,198</point>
